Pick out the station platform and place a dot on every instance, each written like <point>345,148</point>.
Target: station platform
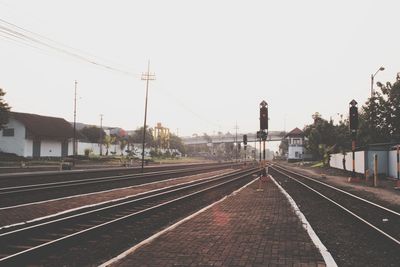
<point>247,228</point>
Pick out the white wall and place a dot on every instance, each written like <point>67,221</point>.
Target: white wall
<point>82,146</point>
<point>14,144</point>
<point>392,159</point>
<point>28,148</point>
<point>95,149</point>
<point>336,161</point>
<point>292,151</point>
<point>50,148</point>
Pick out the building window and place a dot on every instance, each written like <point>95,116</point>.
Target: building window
<point>8,132</point>
<point>296,141</point>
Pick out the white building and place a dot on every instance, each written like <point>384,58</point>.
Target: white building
<point>31,135</point>
<point>296,144</point>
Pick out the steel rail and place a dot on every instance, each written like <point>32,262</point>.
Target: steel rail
<point>397,241</point>
<point>135,198</point>
<point>21,197</point>
<point>220,180</point>
<point>340,190</point>
<point>26,175</point>
<point>33,187</point>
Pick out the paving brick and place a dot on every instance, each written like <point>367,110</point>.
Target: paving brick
<point>250,228</point>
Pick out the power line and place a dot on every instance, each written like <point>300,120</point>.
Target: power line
<point>18,34</point>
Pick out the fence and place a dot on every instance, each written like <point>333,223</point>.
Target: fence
<point>336,161</point>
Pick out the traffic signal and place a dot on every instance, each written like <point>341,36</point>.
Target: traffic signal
<point>238,147</point>
<point>353,112</point>
<point>263,118</point>
<point>245,139</point>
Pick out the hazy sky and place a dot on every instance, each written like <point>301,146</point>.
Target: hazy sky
<point>215,61</point>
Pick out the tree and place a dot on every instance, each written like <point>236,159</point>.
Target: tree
<point>284,146</point>
<point>137,137</point>
<point>176,142</point>
<point>93,133</point>
<point>321,135</point>
<point>107,141</point>
<point>391,113</point>
<point>373,122</point>
<point>122,145</point>
<point>4,110</point>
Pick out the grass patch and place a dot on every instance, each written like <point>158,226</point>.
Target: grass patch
<point>317,165</point>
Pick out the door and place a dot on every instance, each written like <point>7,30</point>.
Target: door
<point>36,148</point>
<point>64,148</point>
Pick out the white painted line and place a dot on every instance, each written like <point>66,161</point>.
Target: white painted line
<point>100,203</point>
<point>329,261</point>
<point>155,236</point>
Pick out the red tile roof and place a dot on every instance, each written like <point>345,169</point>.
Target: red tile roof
<point>295,132</point>
<point>44,126</point>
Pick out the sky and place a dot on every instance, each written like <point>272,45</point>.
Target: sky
<point>214,61</point>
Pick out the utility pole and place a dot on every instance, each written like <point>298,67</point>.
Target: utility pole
<point>147,76</point>
<point>101,134</point>
<point>236,150</point>
<point>74,140</point>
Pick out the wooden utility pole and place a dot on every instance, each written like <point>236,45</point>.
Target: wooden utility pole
<point>147,76</point>
<point>74,140</point>
<point>236,142</point>
<point>101,134</point>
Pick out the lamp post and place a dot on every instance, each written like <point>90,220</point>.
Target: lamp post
<point>372,79</point>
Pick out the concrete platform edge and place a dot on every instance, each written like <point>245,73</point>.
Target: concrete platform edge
<point>329,261</point>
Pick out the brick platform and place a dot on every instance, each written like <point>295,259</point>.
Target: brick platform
<point>250,228</point>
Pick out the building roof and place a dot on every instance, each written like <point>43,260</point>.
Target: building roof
<point>44,126</point>
<point>295,132</point>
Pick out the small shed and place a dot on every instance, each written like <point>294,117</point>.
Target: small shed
<point>32,135</point>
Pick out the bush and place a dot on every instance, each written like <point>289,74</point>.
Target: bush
<point>87,152</point>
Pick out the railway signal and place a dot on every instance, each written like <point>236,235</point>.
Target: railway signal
<point>353,117</point>
<point>263,133</point>
<point>353,114</point>
<point>263,115</point>
<point>245,147</point>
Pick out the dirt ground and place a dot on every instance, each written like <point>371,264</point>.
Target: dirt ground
<point>384,192</point>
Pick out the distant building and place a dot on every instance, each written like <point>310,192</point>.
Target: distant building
<point>296,144</point>
<point>162,136</point>
<point>31,135</point>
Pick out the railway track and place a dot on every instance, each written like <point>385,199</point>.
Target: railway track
<point>34,192</point>
<point>20,179</point>
<point>379,224</point>
<point>64,239</point>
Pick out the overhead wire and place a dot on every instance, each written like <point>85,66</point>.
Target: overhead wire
<point>20,34</point>
<point>15,33</point>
